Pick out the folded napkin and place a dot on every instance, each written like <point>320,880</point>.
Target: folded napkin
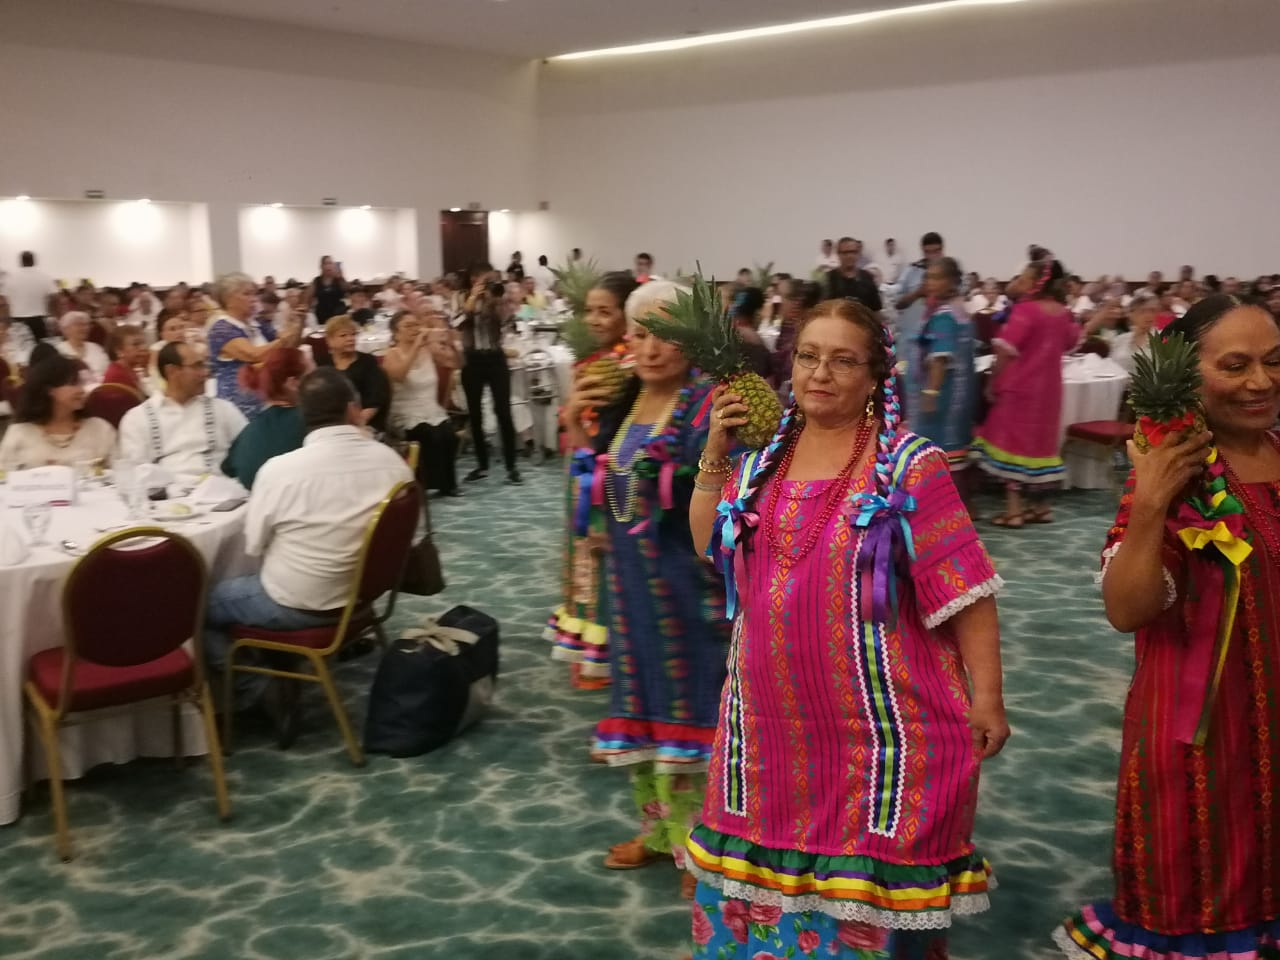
<point>13,545</point>
<point>217,488</point>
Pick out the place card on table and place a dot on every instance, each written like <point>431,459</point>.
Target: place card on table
<point>52,485</point>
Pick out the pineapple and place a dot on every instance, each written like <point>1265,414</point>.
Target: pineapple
<point>574,281</point>
<point>1164,392</point>
<point>701,327</point>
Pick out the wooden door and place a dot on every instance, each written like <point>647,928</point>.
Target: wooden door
<point>464,239</point>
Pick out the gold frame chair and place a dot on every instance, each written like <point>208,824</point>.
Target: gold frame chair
<point>51,719</point>
<point>318,656</point>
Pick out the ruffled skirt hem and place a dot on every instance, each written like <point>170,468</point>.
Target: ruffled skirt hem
<point>1096,933</point>
<point>854,888</point>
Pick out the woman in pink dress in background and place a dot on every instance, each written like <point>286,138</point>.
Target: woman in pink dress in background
<point>1021,439</point>
<point>864,685</point>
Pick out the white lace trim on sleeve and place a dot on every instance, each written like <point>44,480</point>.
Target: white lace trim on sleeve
<point>988,588</point>
<point>1170,585</point>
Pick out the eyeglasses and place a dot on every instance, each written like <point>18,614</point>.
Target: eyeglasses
<point>840,367</point>
<point>198,365</point>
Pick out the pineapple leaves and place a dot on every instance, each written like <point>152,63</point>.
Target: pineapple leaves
<point>1166,379</point>
<point>701,327</point>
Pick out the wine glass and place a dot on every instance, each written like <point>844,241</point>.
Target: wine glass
<point>36,516</point>
<point>127,481</point>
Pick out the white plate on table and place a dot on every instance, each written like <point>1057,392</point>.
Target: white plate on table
<point>170,511</point>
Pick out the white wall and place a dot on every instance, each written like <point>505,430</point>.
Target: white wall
<point>1125,136</point>
<point>144,101</point>
<point>111,243</point>
<point>289,241</point>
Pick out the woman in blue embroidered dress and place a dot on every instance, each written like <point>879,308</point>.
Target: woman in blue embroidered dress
<point>237,337</point>
<point>667,631</point>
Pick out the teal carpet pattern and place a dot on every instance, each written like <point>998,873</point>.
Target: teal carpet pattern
<point>490,848</point>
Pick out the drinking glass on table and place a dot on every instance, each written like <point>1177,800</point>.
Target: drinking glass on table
<point>36,516</point>
<point>129,487</point>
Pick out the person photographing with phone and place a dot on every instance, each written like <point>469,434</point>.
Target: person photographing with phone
<point>484,321</point>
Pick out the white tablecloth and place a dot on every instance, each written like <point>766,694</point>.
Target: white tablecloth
<point>531,418</point>
<point>1092,389</point>
<point>31,621</point>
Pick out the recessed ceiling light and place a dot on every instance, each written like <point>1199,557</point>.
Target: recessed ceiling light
<point>455,209</point>
<point>277,206</point>
<point>780,29</point>
<point>366,206</point>
<point>22,196</point>
<point>505,210</point>
<point>144,200</point>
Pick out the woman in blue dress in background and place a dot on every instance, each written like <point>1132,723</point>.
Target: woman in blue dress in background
<point>238,338</point>
<point>947,380</point>
<point>667,627</point>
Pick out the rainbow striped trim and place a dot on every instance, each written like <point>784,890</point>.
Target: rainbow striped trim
<point>1097,933</point>
<point>1012,466</point>
<point>837,880</point>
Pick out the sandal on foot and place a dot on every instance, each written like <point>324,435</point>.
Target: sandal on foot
<point>1043,515</point>
<point>1011,521</point>
<point>632,855</point>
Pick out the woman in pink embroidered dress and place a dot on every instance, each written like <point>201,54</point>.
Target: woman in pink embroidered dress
<point>864,684</point>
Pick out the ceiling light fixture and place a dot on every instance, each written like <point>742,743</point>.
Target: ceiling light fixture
<point>276,206</point>
<point>366,206</point>
<point>22,196</point>
<point>455,209</point>
<point>144,200</point>
<point>505,210</point>
<point>780,29</point>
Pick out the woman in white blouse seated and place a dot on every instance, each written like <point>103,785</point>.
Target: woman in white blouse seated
<point>76,345</point>
<point>1143,312</point>
<point>419,364</point>
<point>990,298</point>
<point>49,423</point>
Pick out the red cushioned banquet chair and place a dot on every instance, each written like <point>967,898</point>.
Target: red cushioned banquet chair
<point>111,401</point>
<point>130,607</point>
<point>379,570</point>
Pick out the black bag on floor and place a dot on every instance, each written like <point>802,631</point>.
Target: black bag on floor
<point>433,683</point>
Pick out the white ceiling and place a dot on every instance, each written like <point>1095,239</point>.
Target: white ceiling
<point>530,28</point>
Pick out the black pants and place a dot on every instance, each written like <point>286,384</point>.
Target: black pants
<point>488,368</point>
<point>36,325</point>
<point>438,449</point>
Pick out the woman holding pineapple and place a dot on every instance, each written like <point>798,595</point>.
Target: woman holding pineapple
<point>864,684</point>
<point>595,333</point>
<point>665,608</point>
<point>1193,566</point>
<point>1020,440</point>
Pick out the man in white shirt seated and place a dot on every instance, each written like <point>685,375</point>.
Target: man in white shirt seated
<point>182,430</point>
<point>307,517</point>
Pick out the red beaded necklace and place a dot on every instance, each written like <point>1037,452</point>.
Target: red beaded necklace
<point>835,493</point>
<point>1242,491</point>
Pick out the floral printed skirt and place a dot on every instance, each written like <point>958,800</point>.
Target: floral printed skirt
<point>726,929</point>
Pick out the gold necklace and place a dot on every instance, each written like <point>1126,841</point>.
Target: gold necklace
<point>628,512</point>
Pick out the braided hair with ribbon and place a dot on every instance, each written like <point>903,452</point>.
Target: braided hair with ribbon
<point>737,516</point>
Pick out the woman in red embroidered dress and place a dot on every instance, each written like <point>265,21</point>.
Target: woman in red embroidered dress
<point>1197,845</point>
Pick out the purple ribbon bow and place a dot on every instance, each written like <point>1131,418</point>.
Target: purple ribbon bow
<point>887,531</point>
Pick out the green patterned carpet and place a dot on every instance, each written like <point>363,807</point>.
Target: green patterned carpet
<point>491,847</point>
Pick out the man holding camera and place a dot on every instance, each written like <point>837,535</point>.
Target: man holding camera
<point>486,318</point>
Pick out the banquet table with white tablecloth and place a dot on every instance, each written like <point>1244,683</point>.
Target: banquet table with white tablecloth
<point>31,621</point>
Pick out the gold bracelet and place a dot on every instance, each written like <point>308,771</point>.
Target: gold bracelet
<point>706,487</point>
<point>716,467</point>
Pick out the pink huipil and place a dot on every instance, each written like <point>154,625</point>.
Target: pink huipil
<point>843,776</point>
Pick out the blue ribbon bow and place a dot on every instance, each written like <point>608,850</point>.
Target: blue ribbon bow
<point>582,470</point>
<point>723,548</point>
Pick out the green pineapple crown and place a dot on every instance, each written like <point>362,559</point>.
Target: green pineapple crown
<point>764,275</point>
<point>701,327</point>
<point>1166,378</point>
<point>573,282</point>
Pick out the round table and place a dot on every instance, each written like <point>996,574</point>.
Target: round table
<point>31,621</point>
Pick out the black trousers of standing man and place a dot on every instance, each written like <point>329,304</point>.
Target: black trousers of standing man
<point>488,368</point>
